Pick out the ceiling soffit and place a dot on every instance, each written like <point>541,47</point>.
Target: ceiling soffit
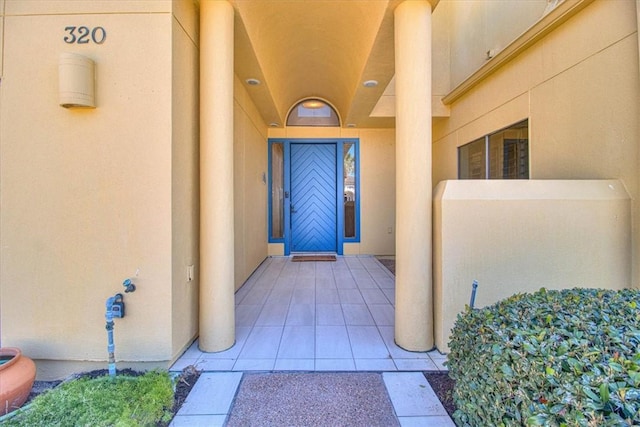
<point>315,48</point>
<point>247,67</point>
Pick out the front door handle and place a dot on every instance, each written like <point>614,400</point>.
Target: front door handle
<point>293,210</point>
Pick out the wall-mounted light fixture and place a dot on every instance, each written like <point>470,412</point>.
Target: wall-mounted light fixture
<point>76,75</point>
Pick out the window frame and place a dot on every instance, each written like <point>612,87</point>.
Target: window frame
<point>487,152</point>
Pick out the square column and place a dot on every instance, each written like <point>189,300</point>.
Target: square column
<point>217,305</point>
<point>414,299</point>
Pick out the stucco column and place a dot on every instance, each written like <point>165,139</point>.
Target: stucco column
<point>217,315</point>
<point>414,300</point>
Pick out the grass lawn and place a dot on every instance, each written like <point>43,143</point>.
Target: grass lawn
<point>125,400</point>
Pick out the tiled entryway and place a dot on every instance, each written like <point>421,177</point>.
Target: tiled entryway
<point>315,316</point>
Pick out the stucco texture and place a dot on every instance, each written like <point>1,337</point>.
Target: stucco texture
<point>90,197</point>
<point>579,89</point>
<point>516,236</point>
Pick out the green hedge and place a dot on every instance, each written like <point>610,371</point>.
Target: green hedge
<point>552,358</point>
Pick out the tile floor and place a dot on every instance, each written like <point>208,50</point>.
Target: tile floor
<point>315,316</point>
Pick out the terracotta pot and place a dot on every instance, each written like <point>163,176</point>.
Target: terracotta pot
<point>16,379</point>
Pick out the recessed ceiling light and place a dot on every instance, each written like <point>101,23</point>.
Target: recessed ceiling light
<point>274,124</point>
<point>370,83</point>
<point>253,82</point>
<point>351,125</point>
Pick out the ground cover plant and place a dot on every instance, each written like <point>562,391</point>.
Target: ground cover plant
<point>552,358</point>
<point>141,400</point>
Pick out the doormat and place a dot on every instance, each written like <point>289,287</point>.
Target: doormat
<point>306,258</point>
<point>312,399</point>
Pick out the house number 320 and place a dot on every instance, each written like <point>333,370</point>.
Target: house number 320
<point>84,35</point>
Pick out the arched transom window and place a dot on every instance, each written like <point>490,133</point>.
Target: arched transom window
<point>313,112</point>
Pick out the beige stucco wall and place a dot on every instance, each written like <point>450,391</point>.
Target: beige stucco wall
<point>477,27</point>
<point>516,236</point>
<point>440,50</point>
<point>91,197</point>
<point>579,89</point>
<point>250,185</point>
<point>184,176</point>
<point>378,188</point>
<point>377,185</point>
<point>1,35</point>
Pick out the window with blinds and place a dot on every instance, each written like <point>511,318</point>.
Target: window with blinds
<point>500,155</point>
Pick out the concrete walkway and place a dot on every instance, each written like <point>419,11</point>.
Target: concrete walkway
<point>210,403</point>
<point>314,317</point>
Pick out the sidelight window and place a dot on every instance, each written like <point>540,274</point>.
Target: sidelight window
<point>276,157</point>
<point>349,188</point>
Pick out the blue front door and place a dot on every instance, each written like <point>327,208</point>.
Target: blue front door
<point>313,198</point>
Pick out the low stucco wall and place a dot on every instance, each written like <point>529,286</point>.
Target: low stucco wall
<point>518,236</point>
